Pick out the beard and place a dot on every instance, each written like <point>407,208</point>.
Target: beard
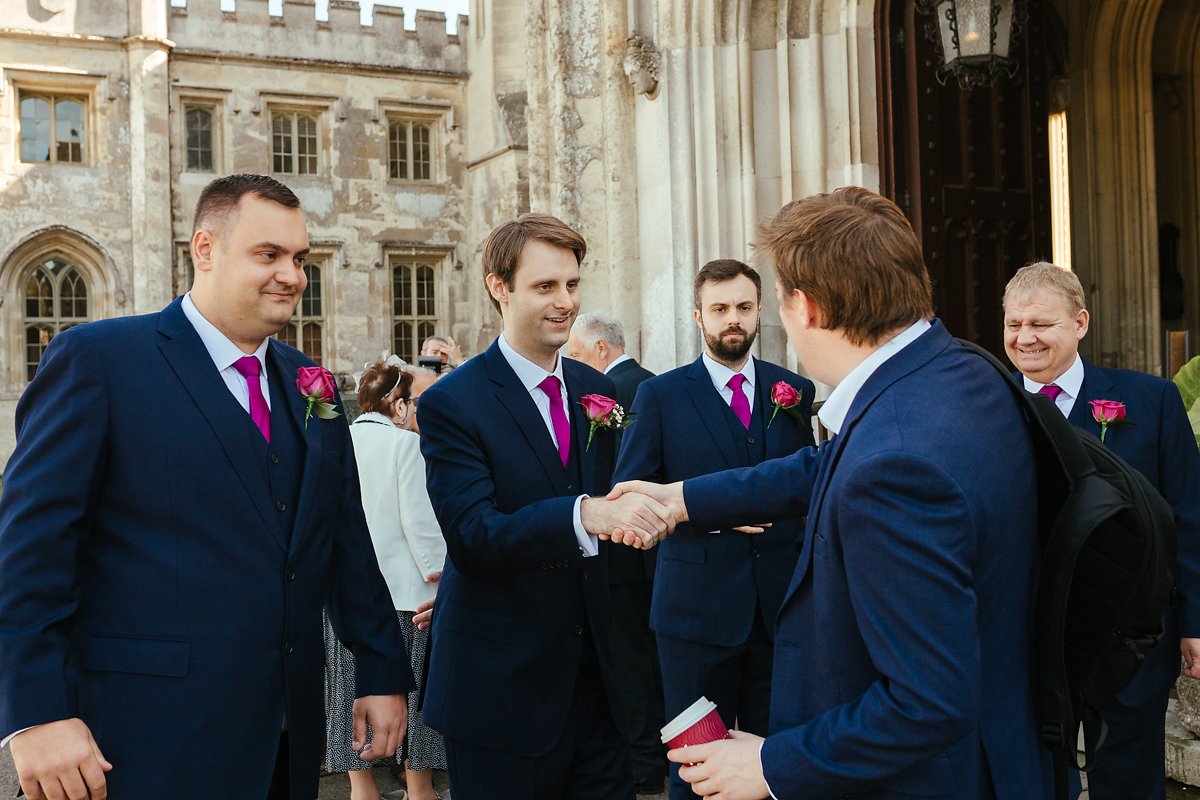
<point>727,351</point>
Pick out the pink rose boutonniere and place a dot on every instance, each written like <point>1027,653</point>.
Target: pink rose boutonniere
<point>1108,412</point>
<point>785,398</point>
<point>317,388</point>
<point>603,412</point>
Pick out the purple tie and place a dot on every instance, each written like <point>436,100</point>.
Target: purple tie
<point>1052,391</point>
<point>739,403</point>
<point>249,367</point>
<point>558,416</point>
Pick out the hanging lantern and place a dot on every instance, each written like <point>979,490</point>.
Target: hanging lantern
<point>975,38</point>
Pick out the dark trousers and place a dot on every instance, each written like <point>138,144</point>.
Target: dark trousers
<point>737,679</point>
<point>590,760</point>
<point>1129,765</point>
<point>280,786</point>
<point>641,682</point>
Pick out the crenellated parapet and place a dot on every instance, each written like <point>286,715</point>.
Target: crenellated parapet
<point>251,31</point>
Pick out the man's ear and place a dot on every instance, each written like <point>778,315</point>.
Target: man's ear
<point>203,245</point>
<point>601,348</point>
<point>696,315</point>
<point>808,313</point>
<point>1082,320</point>
<point>496,288</point>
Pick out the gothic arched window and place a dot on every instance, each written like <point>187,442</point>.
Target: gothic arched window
<point>56,298</point>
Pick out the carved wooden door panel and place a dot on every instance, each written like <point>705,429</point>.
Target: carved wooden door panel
<point>971,169</point>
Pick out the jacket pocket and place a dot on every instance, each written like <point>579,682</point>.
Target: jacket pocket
<point>166,657</point>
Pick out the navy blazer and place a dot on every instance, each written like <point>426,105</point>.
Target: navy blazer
<point>707,584</point>
<point>516,592</point>
<point>147,585</point>
<point>626,565</point>
<point>902,650</point>
<point>1159,443</point>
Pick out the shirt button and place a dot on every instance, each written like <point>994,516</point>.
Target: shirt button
<point>274,458</point>
<point>279,506</point>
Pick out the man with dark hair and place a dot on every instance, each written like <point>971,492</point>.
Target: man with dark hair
<point>521,678</point>
<point>161,585</point>
<point>1045,318</point>
<point>716,591</point>
<point>902,648</point>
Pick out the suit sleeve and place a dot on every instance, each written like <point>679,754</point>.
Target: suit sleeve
<point>906,534</point>
<point>360,605</point>
<point>1179,483</point>
<point>418,524</point>
<point>482,540</point>
<point>50,495</point>
<point>641,443</point>
<point>773,490</point>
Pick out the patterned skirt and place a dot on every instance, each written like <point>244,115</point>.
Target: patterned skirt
<point>422,745</point>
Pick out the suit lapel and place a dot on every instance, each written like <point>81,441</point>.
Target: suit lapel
<point>1096,386</point>
<point>579,427</point>
<point>189,360</point>
<point>515,398</point>
<point>711,409</point>
<point>830,451</point>
<point>284,369</point>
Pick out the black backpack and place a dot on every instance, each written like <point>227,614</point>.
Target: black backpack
<point>1108,560</point>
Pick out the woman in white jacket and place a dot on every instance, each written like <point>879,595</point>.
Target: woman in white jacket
<point>410,550</point>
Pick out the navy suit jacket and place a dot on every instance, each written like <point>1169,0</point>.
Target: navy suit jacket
<point>1159,443</point>
<point>902,650</point>
<point>626,565</point>
<point>147,584</point>
<point>516,594</point>
<point>708,584</point>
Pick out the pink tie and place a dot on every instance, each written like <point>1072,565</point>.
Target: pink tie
<point>558,417</point>
<point>1051,390</point>
<point>249,367</point>
<point>739,403</point>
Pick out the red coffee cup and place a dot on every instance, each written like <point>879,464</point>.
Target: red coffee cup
<point>699,723</point>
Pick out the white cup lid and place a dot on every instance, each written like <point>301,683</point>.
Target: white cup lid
<point>687,718</point>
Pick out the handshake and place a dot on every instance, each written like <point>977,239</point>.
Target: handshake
<point>635,513</point>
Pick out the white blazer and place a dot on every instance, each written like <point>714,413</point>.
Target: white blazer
<point>408,540</point>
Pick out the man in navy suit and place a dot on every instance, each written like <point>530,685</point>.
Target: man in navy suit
<point>598,340</point>
<point>1044,320</point>
<point>716,592</point>
<point>521,677</point>
<point>170,529</point>
<point>902,648</point>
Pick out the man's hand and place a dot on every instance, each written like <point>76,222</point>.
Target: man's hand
<point>726,770</point>
<point>633,519</point>
<point>669,495</point>
<point>60,760</point>
<point>424,615</point>
<point>387,714</point>
<point>1190,648</point>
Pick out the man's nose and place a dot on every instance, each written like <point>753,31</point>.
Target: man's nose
<point>291,275</point>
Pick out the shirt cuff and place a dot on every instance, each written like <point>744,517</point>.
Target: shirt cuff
<point>763,767</point>
<point>587,542</point>
<point>4,742</point>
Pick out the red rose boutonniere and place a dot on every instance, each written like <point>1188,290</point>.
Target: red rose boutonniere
<point>785,398</point>
<point>603,412</point>
<point>1108,412</point>
<point>316,387</point>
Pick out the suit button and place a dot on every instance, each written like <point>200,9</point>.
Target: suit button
<point>585,574</point>
<point>279,506</point>
<point>756,554</point>
<point>579,630</point>
<point>291,576</point>
<point>274,458</point>
<point>287,648</point>
<point>750,440</point>
<point>570,485</point>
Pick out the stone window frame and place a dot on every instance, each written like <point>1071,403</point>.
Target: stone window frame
<point>306,317</point>
<point>438,115</point>
<point>441,260</point>
<point>62,84</point>
<point>316,107</point>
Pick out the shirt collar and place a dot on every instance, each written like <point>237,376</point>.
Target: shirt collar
<point>221,350</point>
<point>1071,381</point>
<point>528,373</point>
<point>621,359</point>
<point>721,374</point>
<point>834,410</point>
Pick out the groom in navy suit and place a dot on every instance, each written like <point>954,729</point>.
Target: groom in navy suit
<point>521,678</point>
<point>171,526</point>
<point>902,648</point>
<point>1044,320</point>
<point>716,592</point>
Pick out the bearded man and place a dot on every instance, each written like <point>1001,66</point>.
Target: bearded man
<point>716,593</point>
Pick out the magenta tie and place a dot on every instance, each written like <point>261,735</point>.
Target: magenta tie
<point>558,417</point>
<point>250,368</point>
<point>1051,390</point>
<point>739,403</point>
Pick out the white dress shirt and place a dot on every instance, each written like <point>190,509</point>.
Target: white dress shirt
<point>1071,383</point>
<point>721,374</point>
<point>531,376</point>
<point>408,540</point>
